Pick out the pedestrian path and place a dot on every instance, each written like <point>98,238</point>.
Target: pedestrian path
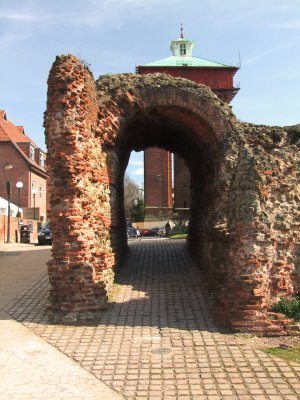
<point>30,368</point>
<point>158,339</point>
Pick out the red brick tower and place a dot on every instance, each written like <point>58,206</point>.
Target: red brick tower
<point>157,184</point>
<point>219,77</point>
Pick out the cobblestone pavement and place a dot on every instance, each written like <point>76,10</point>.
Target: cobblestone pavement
<point>158,340</point>
<point>29,367</point>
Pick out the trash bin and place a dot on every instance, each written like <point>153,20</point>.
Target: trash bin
<point>24,234</point>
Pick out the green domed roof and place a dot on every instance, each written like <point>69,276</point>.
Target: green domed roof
<point>182,55</point>
<point>184,61</point>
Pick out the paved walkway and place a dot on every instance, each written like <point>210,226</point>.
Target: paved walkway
<point>29,367</point>
<point>158,340</point>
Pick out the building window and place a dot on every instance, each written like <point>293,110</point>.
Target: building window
<point>32,186</point>
<point>31,153</point>
<point>41,192</point>
<point>182,49</point>
<point>41,159</point>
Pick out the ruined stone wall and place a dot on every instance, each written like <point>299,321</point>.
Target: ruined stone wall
<point>212,164</point>
<point>244,229</point>
<point>80,198</point>
<point>264,229</point>
<point>210,236</point>
<point>247,226</point>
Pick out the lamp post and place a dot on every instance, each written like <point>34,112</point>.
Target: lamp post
<point>160,204</point>
<point>8,191</point>
<point>19,186</point>
<point>34,192</point>
<point>6,167</point>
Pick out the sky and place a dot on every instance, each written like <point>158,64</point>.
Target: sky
<point>114,36</point>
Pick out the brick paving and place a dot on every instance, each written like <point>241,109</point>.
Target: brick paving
<point>29,367</point>
<point>158,340</point>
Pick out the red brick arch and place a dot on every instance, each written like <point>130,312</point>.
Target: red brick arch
<point>91,128</point>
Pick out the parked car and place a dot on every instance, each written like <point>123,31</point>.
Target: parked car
<point>132,232</point>
<point>146,232</point>
<point>45,234</point>
<point>155,231</point>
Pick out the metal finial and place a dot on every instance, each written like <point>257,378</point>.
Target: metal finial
<point>181,30</point>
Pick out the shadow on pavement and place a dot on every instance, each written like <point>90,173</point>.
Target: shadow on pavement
<point>157,286</point>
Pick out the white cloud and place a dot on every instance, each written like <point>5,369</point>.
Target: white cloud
<point>136,162</point>
<point>293,24</point>
<point>269,51</point>
<point>95,13</point>
<point>138,171</point>
<point>290,73</point>
<point>17,17</point>
<point>144,4</point>
<point>83,13</point>
<point>10,38</point>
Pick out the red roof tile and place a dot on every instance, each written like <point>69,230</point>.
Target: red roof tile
<point>16,135</point>
<point>11,132</point>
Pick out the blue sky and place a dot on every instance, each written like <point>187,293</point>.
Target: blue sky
<point>115,35</point>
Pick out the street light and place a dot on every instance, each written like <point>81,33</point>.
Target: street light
<point>19,186</point>
<point>8,191</point>
<point>6,167</point>
<point>34,192</point>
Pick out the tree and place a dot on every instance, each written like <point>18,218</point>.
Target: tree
<point>137,211</point>
<point>132,199</point>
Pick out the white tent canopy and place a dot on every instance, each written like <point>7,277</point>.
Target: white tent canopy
<point>4,208</point>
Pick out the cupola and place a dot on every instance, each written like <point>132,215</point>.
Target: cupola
<point>182,47</point>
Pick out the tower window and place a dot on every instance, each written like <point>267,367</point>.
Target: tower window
<point>182,49</point>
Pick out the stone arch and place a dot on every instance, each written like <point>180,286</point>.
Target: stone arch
<point>91,127</point>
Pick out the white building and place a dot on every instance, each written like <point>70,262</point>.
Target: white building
<point>4,208</point>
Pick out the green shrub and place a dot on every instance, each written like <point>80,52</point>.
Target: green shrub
<point>176,230</point>
<point>178,236</point>
<point>290,307</point>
